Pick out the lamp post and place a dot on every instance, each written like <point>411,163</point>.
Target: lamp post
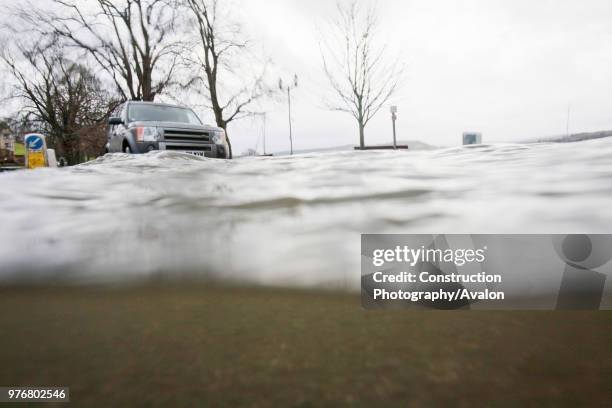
<point>264,133</point>
<point>393,119</point>
<point>289,88</point>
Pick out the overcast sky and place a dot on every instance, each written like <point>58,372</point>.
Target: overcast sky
<point>506,68</point>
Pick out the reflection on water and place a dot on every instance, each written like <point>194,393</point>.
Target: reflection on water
<point>286,220</point>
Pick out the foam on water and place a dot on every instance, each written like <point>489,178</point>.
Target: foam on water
<point>285,220</point>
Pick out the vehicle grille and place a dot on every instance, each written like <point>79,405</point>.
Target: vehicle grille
<point>187,136</point>
<point>191,147</point>
<point>187,140</point>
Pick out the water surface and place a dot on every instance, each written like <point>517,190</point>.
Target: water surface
<point>286,220</point>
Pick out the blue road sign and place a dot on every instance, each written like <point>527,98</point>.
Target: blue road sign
<point>34,142</point>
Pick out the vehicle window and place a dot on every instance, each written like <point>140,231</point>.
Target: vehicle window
<point>160,113</point>
<point>117,112</point>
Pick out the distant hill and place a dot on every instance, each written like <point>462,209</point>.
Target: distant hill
<point>576,137</point>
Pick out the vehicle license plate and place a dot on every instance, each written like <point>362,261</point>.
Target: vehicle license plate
<point>201,154</point>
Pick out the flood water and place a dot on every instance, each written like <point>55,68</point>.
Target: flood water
<point>285,220</point>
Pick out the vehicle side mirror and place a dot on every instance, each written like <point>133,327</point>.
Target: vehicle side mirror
<point>115,120</point>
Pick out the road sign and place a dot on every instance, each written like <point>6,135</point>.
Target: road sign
<point>35,151</point>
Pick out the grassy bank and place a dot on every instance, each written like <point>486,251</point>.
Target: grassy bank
<point>203,346</point>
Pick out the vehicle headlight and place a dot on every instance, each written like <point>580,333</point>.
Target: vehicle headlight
<point>147,134</point>
<point>218,137</point>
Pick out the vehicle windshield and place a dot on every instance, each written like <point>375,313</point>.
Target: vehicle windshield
<point>160,113</point>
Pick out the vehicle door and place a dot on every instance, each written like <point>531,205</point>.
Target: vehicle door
<point>115,132</point>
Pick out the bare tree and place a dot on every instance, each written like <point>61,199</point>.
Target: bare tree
<point>219,54</point>
<point>64,98</point>
<point>134,41</point>
<point>362,78</point>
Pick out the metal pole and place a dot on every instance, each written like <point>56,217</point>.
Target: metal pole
<point>394,135</point>
<point>393,119</point>
<point>290,132</point>
<point>264,134</point>
<point>568,121</point>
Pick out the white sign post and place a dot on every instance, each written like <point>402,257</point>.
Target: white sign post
<point>393,119</point>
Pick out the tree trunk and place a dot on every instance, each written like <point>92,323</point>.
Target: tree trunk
<point>64,149</point>
<point>361,135</point>
<point>229,143</point>
<point>69,149</point>
<point>229,146</point>
<point>218,111</point>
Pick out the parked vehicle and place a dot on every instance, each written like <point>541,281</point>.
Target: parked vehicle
<point>141,127</point>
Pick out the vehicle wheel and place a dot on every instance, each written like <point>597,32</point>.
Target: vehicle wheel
<point>127,149</point>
